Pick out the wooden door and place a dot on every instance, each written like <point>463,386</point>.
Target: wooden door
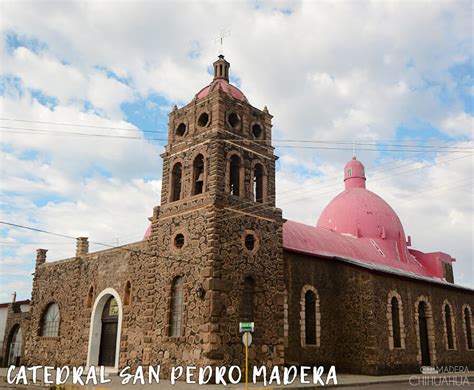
<point>108,337</point>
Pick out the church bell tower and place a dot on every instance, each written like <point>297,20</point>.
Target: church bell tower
<point>218,229</point>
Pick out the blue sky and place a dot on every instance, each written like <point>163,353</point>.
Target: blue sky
<point>373,73</point>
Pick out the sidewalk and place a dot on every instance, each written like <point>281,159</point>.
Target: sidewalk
<point>344,380</point>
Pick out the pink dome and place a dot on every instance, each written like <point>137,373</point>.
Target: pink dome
<point>223,84</point>
<point>360,213</point>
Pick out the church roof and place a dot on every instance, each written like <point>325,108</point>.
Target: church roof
<point>316,241</point>
<point>221,81</point>
<point>359,225</point>
<point>223,84</point>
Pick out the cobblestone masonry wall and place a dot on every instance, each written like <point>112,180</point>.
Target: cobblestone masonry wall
<point>354,328</point>
<point>264,265</point>
<point>409,359</point>
<point>345,302</point>
<point>67,283</point>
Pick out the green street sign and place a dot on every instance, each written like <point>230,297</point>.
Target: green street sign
<point>246,327</point>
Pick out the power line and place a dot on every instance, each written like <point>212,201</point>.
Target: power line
<point>308,188</point>
<point>364,143</point>
<point>375,149</point>
<point>262,206</point>
<point>33,243</point>
<point>439,189</point>
<point>433,191</point>
<point>66,236</point>
<point>87,126</point>
<point>69,133</point>
<point>371,168</point>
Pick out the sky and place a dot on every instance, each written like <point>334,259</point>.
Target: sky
<point>393,80</point>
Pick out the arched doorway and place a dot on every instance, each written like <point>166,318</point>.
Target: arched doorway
<point>423,329</point>
<point>108,337</point>
<point>15,346</point>
<point>106,325</point>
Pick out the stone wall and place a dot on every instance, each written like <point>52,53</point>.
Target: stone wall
<point>264,264</point>
<point>346,321</point>
<point>68,283</point>
<point>355,331</point>
<point>409,359</point>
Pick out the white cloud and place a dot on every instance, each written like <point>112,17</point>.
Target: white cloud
<point>459,123</point>
<point>327,71</point>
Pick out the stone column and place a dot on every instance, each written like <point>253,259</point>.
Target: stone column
<point>82,246</point>
<point>40,256</point>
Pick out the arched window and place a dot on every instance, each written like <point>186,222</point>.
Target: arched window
<point>248,293</point>
<point>198,175</point>
<point>397,340</point>
<point>176,174</point>
<point>90,296</point>
<point>310,317</point>
<point>50,321</point>
<point>468,327</point>
<point>448,325</point>
<point>258,183</point>
<point>177,301</point>
<point>234,177</point>
<point>396,327</point>
<point>127,294</point>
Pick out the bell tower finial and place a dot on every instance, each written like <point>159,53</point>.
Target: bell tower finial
<point>221,68</point>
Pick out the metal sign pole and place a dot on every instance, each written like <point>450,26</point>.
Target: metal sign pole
<point>246,328</point>
<point>246,361</point>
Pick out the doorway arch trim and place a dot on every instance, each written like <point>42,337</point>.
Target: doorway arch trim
<point>95,330</point>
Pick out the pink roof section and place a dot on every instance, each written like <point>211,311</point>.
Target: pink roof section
<point>223,84</point>
<point>316,241</point>
<point>359,225</point>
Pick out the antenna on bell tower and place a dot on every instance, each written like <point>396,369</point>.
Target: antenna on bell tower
<point>220,40</point>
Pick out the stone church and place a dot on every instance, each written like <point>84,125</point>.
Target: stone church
<point>349,291</point>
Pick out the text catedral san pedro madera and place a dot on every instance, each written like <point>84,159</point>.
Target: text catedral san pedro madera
<point>190,374</point>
